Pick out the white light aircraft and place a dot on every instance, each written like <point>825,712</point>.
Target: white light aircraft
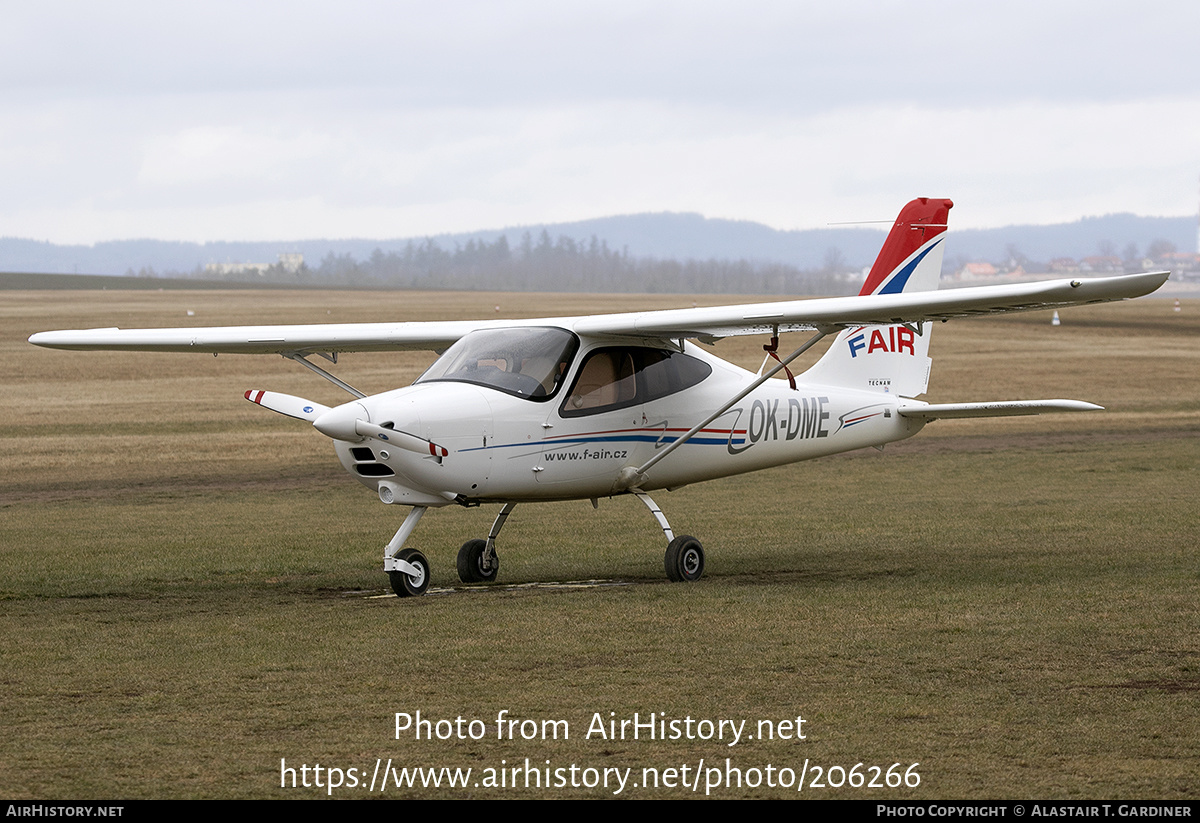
<point>570,408</point>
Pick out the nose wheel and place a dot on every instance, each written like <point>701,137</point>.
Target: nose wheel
<point>410,573</point>
<point>407,569</point>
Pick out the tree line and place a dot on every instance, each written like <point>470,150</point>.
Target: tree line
<point>546,264</point>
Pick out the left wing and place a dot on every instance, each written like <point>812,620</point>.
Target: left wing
<point>874,309</point>
<point>707,324</point>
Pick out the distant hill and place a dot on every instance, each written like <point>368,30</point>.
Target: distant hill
<point>1083,238</point>
<point>666,236</point>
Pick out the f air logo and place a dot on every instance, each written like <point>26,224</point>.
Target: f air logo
<point>898,340</point>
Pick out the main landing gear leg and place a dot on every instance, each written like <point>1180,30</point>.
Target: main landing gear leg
<point>477,559</point>
<point>684,559</point>
<point>407,569</point>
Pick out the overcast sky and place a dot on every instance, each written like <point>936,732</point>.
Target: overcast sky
<point>292,120</point>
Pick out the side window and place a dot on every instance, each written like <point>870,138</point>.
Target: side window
<point>606,379</point>
<point>617,377</point>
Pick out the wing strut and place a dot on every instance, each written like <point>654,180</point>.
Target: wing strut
<point>631,477</point>
<point>299,358</point>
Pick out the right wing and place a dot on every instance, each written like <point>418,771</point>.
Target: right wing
<point>326,337</point>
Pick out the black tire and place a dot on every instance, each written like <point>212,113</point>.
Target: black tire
<point>405,585</point>
<point>684,560</point>
<point>470,563</point>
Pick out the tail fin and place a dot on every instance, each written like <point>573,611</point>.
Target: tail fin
<point>892,359</point>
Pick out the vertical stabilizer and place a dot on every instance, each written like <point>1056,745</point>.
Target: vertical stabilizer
<point>892,359</point>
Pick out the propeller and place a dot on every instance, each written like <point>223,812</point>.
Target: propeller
<point>344,422</point>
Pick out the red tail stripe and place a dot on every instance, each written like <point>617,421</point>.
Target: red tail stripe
<point>919,222</point>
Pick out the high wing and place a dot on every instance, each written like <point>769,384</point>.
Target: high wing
<point>706,324</point>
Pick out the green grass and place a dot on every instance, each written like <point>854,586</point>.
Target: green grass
<point>192,588</point>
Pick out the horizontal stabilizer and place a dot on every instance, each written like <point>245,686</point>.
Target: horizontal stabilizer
<point>1004,408</point>
<point>296,407</point>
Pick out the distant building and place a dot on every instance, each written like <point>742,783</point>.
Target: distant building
<point>221,269</point>
<point>290,261</point>
<point>976,271</point>
<point>1104,262</point>
<point>1178,262</point>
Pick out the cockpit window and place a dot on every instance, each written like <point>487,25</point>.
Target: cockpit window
<point>619,377</point>
<point>524,362</point>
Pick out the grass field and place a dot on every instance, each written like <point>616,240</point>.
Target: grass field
<point>192,589</point>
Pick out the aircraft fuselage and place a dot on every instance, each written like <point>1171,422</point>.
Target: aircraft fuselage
<point>509,448</point>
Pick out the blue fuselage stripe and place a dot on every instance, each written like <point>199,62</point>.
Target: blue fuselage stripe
<point>638,438</point>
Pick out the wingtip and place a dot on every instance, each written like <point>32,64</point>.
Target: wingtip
<point>1157,278</point>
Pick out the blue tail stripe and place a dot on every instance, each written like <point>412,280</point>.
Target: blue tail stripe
<point>900,279</point>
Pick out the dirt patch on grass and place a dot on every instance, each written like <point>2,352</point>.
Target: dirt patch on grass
<point>931,443</point>
<point>1169,686</point>
<point>163,488</point>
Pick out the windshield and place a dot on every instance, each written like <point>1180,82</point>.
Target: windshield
<point>528,362</point>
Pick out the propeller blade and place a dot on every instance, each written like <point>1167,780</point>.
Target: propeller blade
<point>296,407</point>
<point>401,439</point>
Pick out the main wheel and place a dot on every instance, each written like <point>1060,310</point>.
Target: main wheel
<point>684,559</point>
<point>472,563</point>
<point>411,585</point>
